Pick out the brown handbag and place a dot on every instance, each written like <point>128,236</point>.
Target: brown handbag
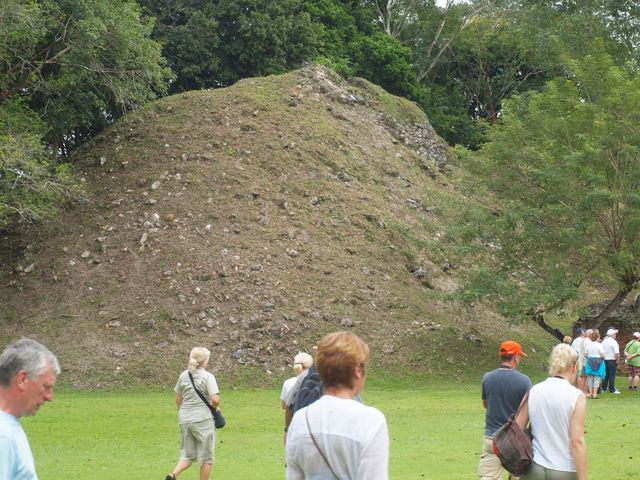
<point>513,446</point>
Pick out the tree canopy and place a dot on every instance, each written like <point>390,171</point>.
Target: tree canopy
<point>69,67</point>
<point>564,167</point>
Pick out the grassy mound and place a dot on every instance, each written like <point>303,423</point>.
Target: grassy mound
<point>253,220</point>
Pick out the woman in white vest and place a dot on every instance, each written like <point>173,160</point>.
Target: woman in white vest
<point>557,411</point>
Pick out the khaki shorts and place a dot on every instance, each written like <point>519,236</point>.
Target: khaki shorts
<point>490,467</point>
<point>198,442</point>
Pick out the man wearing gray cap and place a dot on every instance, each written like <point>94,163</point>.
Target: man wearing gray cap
<point>611,357</point>
<point>28,372</point>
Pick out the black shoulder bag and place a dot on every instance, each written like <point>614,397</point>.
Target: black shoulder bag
<point>218,419</point>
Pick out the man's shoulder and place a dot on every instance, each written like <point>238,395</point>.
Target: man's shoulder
<point>506,372</point>
<point>503,375</point>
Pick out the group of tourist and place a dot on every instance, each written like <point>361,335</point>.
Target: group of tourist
<point>332,434</point>
<point>598,361</point>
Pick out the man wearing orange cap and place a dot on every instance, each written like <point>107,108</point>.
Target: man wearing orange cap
<point>502,391</point>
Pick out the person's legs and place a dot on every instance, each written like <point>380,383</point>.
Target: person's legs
<point>634,377</point>
<point>490,467</point>
<point>205,471</point>
<point>604,385</point>
<point>187,450</point>
<point>610,379</point>
<point>180,467</point>
<point>205,435</point>
<point>593,381</point>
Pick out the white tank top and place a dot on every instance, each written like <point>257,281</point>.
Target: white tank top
<point>551,404</point>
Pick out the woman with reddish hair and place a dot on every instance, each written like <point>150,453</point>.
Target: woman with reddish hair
<point>337,436</point>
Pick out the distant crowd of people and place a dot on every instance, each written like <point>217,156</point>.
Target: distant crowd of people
<point>328,432</point>
<point>599,358</point>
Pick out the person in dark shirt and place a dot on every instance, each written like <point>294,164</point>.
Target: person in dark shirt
<point>502,391</point>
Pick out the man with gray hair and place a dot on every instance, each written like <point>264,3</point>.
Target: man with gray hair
<point>28,372</point>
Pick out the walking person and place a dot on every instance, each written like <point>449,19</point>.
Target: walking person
<point>594,366</point>
<point>28,373</point>
<point>557,410</point>
<point>301,363</point>
<point>337,437</point>
<point>198,435</point>
<point>632,357</point>
<point>502,392</point>
<point>611,357</point>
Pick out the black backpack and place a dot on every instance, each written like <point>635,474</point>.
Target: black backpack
<point>310,390</point>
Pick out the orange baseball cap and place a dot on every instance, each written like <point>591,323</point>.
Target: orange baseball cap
<point>511,348</point>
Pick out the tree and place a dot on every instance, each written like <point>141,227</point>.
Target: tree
<point>67,68</point>
<point>263,37</point>
<point>382,60</point>
<point>32,187</point>
<point>78,62</point>
<point>564,166</point>
<point>188,32</point>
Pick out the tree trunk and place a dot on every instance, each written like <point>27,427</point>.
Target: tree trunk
<point>615,301</point>
<point>539,319</point>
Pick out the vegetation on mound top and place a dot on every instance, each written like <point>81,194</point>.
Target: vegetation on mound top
<point>253,220</point>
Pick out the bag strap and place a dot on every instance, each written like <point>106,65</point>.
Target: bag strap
<point>523,402</point>
<point>202,397</point>
<point>317,446</point>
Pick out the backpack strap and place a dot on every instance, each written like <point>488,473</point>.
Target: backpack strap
<point>317,446</point>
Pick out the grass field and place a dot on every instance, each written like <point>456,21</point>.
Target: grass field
<point>436,433</point>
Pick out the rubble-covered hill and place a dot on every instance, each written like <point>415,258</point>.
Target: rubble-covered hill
<point>252,220</point>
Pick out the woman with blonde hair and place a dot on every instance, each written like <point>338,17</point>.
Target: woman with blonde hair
<point>196,422</point>
<point>337,436</point>
<point>594,366</point>
<point>302,362</point>
<point>557,410</point>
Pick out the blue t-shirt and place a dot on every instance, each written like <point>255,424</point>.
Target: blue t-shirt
<point>503,389</point>
<point>16,460</point>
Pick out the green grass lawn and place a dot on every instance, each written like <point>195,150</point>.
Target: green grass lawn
<point>436,433</point>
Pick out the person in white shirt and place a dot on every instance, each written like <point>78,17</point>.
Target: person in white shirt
<point>338,437</point>
<point>594,364</point>
<point>611,357</point>
<point>557,410</point>
<point>301,362</point>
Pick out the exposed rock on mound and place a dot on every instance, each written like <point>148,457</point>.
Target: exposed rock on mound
<point>251,220</point>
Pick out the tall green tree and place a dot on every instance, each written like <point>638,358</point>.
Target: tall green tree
<point>564,167</point>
